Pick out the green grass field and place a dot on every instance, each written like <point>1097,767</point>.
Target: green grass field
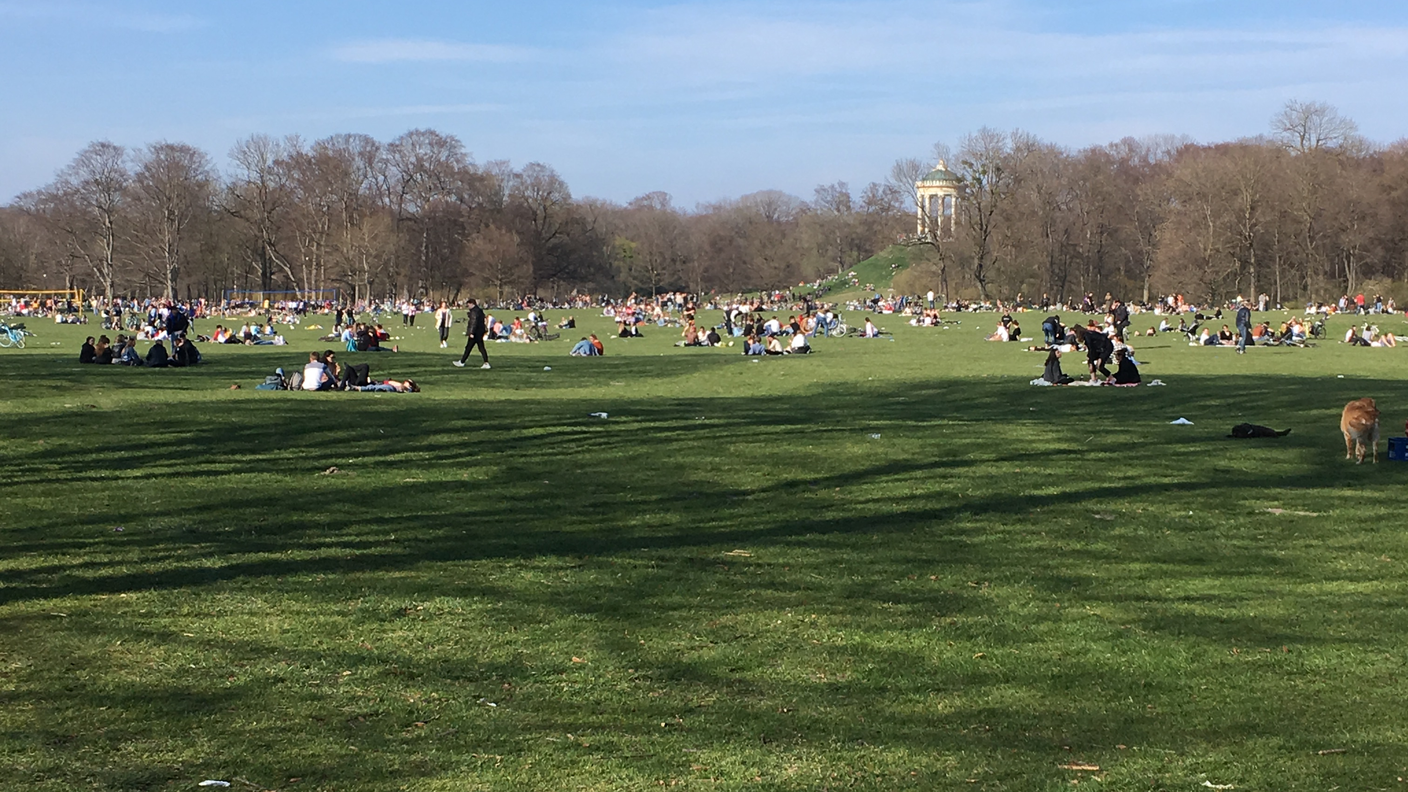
<point>889,565</point>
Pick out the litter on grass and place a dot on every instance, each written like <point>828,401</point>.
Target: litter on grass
<point>1296,513</point>
<point>600,415</point>
<point>210,783</point>
<point>1211,785</point>
<point>1181,422</point>
<point>1156,384</point>
<point>547,368</point>
<point>875,437</point>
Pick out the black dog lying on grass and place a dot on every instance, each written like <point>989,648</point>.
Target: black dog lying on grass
<point>1246,430</point>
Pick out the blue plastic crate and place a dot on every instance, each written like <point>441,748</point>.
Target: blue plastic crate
<point>1398,449</point>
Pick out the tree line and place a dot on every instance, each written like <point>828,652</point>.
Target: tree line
<point>412,217</point>
<point>1309,210</point>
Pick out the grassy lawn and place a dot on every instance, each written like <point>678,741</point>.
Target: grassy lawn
<point>889,565</point>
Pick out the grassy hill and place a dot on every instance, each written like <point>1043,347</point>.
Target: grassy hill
<point>878,270</point>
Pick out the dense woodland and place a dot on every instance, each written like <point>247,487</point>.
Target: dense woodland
<point>1309,210</point>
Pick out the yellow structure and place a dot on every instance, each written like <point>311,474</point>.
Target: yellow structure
<point>936,196</point>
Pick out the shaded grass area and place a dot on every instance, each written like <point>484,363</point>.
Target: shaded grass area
<point>730,583</point>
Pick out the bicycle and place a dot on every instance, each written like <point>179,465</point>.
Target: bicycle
<point>12,336</point>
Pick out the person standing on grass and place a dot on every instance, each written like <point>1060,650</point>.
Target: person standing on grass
<point>475,333</point>
<point>1244,326</point>
<point>443,320</point>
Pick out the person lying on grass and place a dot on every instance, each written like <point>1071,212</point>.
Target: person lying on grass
<point>391,386</point>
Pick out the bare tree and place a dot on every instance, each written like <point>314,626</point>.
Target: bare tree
<point>172,187</point>
<point>258,196</point>
<point>1303,127</point>
<point>84,208</point>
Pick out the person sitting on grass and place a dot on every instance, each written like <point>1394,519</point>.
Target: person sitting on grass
<point>711,338</point>
<point>184,353</point>
<point>316,376</point>
<point>774,346</point>
<point>583,348</point>
<point>1128,372</point>
<point>1052,372</point>
<point>870,330</point>
<point>87,353</point>
<point>691,335</point>
<point>126,353</point>
<point>570,323</point>
<point>1000,334</point>
<point>102,352</point>
<point>799,345</point>
<point>753,346</point>
<point>157,356</point>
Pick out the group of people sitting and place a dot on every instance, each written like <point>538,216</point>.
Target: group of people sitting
<point>1369,337</point>
<point>324,372</point>
<point>360,337</point>
<point>590,346</point>
<point>1009,330</point>
<point>124,352</point>
<point>1101,344</point>
<point>248,334</point>
<point>694,337</point>
<point>772,345</point>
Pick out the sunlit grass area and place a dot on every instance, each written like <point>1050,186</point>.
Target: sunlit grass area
<point>890,564</point>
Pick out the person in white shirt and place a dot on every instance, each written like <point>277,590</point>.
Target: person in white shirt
<point>443,320</point>
<point>315,374</point>
<point>870,330</point>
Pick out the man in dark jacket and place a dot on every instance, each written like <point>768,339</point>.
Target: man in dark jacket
<point>476,330</point>
<point>1121,317</point>
<point>157,356</point>
<point>184,353</point>
<point>1244,326</point>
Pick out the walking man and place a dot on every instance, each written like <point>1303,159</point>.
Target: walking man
<point>443,320</point>
<point>1244,326</point>
<point>476,332</point>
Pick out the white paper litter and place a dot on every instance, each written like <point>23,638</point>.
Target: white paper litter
<point>547,368</point>
<point>1156,383</point>
<point>600,415</point>
<point>1211,785</point>
<point>1181,422</point>
<point>214,783</point>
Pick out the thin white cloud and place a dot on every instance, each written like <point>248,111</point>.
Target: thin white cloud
<point>89,14</point>
<point>421,50</point>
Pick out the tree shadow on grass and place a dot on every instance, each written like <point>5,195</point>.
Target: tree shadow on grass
<point>927,536</point>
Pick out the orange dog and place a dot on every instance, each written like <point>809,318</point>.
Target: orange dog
<point>1360,424</point>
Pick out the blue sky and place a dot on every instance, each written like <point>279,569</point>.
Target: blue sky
<point>703,100</point>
